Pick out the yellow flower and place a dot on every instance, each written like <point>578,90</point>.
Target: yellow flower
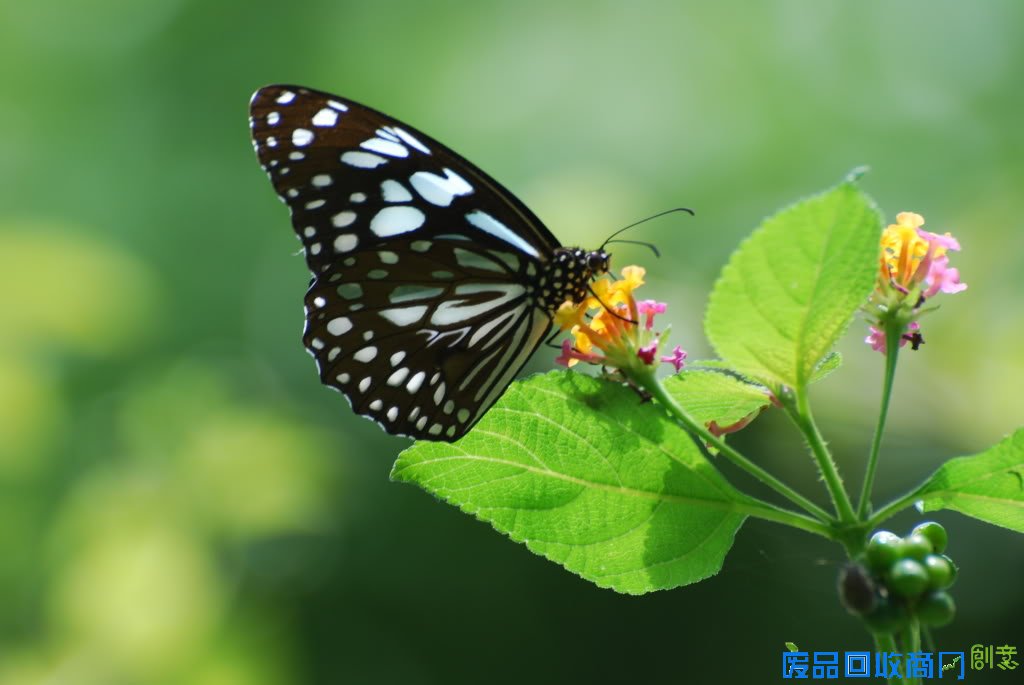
<point>612,336</point>
<point>913,267</point>
<point>908,251</point>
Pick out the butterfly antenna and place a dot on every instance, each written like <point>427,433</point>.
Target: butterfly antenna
<point>652,246</point>
<point>637,223</point>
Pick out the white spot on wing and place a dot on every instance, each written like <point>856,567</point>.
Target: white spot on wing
<point>337,105</point>
<point>273,118</point>
<point>396,220</point>
<point>456,310</point>
<point>339,326</point>
<point>393,191</point>
<point>398,377</point>
<point>385,147</point>
<point>366,355</point>
<point>325,117</point>
<point>365,383</point>
<point>302,137</point>
<point>440,191</point>
<point>404,316</point>
<point>488,224</point>
<point>362,160</point>
<point>346,242</point>
<point>409,140</point>
<point>474,260</point>
<point>285,97</point>
<point>414,385</point>
<point>321,180</point>
<point>343,219</point>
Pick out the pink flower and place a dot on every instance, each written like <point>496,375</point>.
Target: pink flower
<point>649,308</point>
<point>877,337</point>
<point>647,352</point>
<point>570,355</point>
<point>947,242</point>
<point>676,358</point>
<point>943,278</point>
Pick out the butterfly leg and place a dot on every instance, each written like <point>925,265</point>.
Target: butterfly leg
<point>554,335</point>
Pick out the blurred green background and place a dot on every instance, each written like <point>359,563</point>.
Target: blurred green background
<point>182,502</point>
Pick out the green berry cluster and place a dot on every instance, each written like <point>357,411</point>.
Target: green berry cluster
<point>899,578</point>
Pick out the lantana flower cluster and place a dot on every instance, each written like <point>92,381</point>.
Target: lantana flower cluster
<point>913,268</point>
<point>611,328</point>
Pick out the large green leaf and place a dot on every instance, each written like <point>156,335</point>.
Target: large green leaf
<point>988,486</point>
<point>715,396</point>
<point>791,288</point>
<point>587,474</point>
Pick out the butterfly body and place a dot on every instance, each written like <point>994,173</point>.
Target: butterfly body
<point>432,284</point>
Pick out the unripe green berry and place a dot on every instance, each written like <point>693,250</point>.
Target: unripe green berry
<point>936,608</point>
<point>908,578</point>
<point>935,533</point>
<point>940,571</point>
<point>916,546</point>
<point>884,549</point>
<point>956,569</point>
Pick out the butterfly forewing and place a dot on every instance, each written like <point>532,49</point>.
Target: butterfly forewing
<point>424,299</point>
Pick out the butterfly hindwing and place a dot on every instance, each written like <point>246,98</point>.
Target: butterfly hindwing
<point>423,341</point>
<point>424,300</point>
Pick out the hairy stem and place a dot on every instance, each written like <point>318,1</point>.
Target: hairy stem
<point>801,415</point>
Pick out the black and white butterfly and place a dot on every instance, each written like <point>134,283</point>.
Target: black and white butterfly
<point>432,284</point>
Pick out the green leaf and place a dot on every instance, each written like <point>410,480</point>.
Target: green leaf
<point>714,396</point>
<point>988,486</point>
<point>791,288</point>
<point>831,362</point>
<point>585,473</point>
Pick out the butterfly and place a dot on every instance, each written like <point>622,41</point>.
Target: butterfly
<point>432,284</point>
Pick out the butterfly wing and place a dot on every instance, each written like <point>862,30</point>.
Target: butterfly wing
<point>423,303</point>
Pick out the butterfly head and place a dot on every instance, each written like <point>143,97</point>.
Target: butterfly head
<point>569,273</point>
<point>597,262</point>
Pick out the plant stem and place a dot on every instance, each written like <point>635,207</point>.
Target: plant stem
<point>894,507</point>
<point>769,512</point>
<point>885,643</point>
<point>892,353</point>
<point>650,383</point>
<point>911,643</point>
<point>801,415</point>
